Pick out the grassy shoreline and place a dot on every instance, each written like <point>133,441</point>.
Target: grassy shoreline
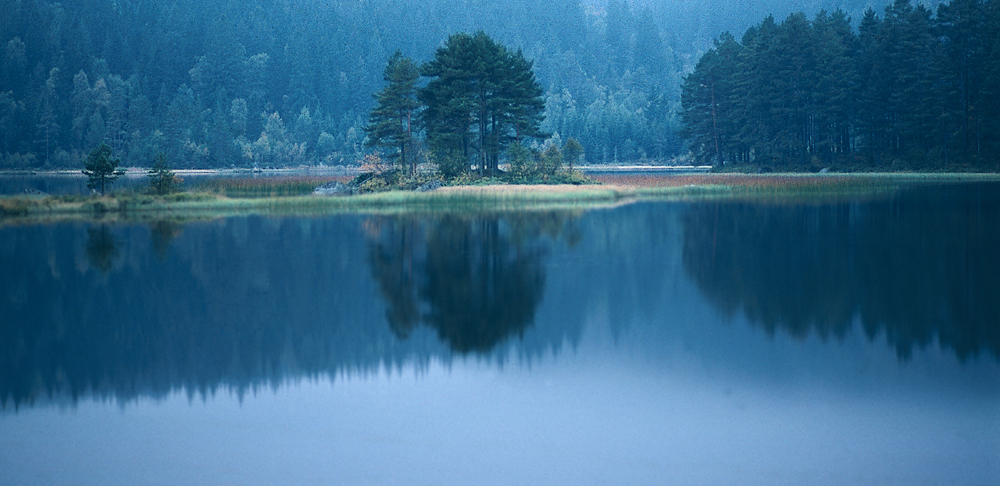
<point>609,190</point>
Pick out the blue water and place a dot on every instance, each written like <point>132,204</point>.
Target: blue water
<point>847,342</point>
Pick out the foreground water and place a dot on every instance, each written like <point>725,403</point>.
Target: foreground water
<point>850,342</point>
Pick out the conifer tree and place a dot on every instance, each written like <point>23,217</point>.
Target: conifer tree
<point>481,96</point>
<point>706,98</point>
<point>162,180</point>
<point>101,168</point>
<point>391,123</point>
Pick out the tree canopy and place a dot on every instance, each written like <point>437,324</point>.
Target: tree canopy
<point>223,83</point>
<point>101,168</point>
<point>480,97</point>
<point>908,90</point>
<point>390,123</point>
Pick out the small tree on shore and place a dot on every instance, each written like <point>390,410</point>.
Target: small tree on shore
<point>551,159</point>
<point>572,152</point>
<point>101,167</point>
<point>162,180</point>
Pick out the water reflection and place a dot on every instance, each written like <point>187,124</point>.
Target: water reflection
<point>919,268</point>
<point>476,280</point>
<point>129,310</point>
<point>102,249</point>
<point>161,233</point>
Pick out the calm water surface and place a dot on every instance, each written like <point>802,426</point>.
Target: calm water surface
<point>852,342</point>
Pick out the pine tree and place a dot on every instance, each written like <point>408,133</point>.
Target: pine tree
<point>391,123</point>
<point>101,168</point>
<point>707,96</point>
<point>964,26</point>
<point>48,114</point>
<point>873,89</point>
<point>162,180</point>
<point>481,96</point>
<point>835,78</point>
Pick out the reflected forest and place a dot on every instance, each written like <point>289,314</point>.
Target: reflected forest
<point>918,269</point>
<point>129,310</point>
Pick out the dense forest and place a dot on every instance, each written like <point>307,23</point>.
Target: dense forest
<point>223,83</point>
<point>910,89</point>
<point>219,83</point>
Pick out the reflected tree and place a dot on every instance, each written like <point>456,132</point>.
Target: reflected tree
<point>479,285</point>
<point>161,233</point>
<point>476,280</point>
<point>102,249</point>
<point>391,259</point>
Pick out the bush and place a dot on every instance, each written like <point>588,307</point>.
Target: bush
<point>13,207</point>
<point>162,180</point>
<point>451,164</point>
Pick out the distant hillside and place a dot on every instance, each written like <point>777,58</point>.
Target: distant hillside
<point>220,83</point>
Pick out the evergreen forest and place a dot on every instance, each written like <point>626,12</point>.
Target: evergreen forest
<point>277,83</point>
<point>909,89</point>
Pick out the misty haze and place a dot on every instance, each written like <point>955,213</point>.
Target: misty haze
<point>374,242</point>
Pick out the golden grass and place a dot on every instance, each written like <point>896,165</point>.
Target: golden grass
<point>780,181</point>
<point>267,186</point>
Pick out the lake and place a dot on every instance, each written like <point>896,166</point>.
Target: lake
<point>847,341</point>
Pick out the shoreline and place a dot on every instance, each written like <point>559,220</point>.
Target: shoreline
<point>337,170</point>
<point>28,209</point>
<point>144,172</point>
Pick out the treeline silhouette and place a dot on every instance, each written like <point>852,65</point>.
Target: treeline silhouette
<point>910,89</point>
<point>917,269</point>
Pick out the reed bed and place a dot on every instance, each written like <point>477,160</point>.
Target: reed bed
<point>201,205</point>
<point>781,182</point>
<point>447,198</point>
<point>778,187</point>
<point>265,187</point>
<point>293,195</point>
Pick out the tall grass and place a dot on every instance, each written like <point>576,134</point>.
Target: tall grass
<point>464,198</point>
<point>292,195</point>
<point>778,187</point>
<point>264,187</point>
<point>780,182</point>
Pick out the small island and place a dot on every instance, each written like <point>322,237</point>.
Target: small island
<point>473,127</point>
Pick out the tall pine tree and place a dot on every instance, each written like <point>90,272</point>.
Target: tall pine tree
<point>391,122</point>
<point>480,97</point>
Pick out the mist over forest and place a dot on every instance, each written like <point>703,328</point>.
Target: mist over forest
<point>270,83</point>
